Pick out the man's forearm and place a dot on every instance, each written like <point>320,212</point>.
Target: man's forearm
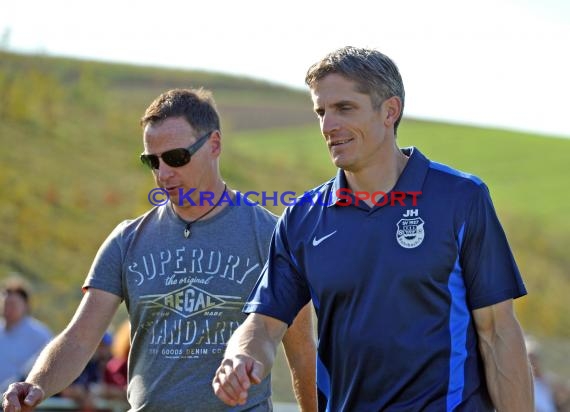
<point>59,364</point>
<point>303,379</point>
<point>258,338</point>
<point>508,372</point>
<point>300,349</point>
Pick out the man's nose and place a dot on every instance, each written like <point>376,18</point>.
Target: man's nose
<point>163,171</point>
<point>329,123</point>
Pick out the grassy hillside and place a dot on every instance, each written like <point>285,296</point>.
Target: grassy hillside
<point>70,172</point>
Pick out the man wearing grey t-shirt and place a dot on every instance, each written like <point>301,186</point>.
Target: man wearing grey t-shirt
<point>184,270</point>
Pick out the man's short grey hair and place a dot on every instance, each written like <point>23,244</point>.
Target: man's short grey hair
<point>197,106</point>
<point>374,73</point>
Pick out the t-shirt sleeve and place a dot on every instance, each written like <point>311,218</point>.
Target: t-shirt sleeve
<point>106,269</point>
<point>491,274</point>
<point>281,291</point>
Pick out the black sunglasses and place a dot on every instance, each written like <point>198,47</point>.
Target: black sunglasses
<point>175,157</point>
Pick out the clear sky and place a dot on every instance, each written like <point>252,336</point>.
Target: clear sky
<point>498,63</point>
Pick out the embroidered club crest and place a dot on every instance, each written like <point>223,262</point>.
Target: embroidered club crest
<point>410,233</point>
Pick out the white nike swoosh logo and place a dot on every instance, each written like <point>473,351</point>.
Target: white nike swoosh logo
<point>317,242</point>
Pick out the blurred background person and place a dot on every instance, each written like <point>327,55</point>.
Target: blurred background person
<point>543,393</point>
<point>22,337</point>
<point>90,386</point>
<point>116,368</point>
<point>103,382</point>
<point>561,389</point>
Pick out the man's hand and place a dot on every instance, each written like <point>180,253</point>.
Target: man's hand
<point>22,396</point>
<point>234,378</point>
<point>249,356</point>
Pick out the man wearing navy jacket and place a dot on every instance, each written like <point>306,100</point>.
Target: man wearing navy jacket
<point>413,296</point>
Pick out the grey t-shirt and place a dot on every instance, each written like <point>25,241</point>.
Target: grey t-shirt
<point>184,298</point>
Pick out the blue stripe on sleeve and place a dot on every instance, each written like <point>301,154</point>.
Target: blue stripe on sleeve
<point>451,171</point>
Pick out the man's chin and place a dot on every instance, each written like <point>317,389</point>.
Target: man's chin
<point>339,162</point>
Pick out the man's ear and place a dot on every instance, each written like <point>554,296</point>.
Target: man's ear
<point>216,143</point>
<point>393,109</point>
